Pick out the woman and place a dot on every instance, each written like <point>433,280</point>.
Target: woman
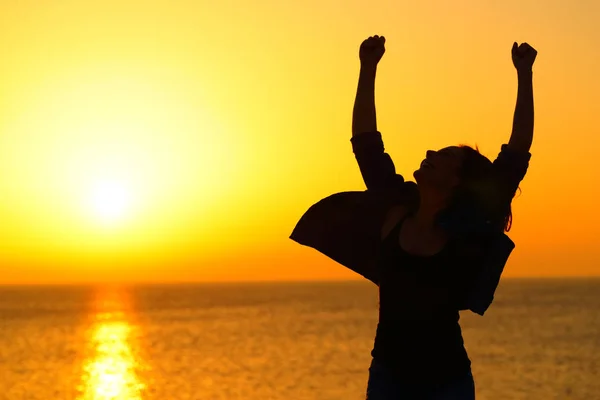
<point>433,247</point>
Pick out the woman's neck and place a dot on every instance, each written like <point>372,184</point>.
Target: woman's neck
<point>428,210</point>
<point>425,217</point>
<point>421,235</point>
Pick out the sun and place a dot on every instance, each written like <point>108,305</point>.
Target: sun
<point>110,201</point>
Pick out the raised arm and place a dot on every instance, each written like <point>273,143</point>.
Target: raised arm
<point>375,164</point>
<point>523,57</point>
<point>364,118</point>
<point>513,161</point>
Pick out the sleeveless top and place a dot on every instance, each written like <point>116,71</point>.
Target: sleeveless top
<point>418,338</point>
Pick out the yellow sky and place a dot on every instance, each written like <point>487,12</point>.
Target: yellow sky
<point>220,122</point>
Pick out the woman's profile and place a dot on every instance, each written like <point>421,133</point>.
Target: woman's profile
<point>434,246</point>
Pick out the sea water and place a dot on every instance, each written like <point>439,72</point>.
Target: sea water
<point>539,340</point>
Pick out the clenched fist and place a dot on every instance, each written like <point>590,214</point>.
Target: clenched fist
<point>523,57</point>
<point>371,50</point>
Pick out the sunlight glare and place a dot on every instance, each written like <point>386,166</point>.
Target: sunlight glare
<point>110,372</point>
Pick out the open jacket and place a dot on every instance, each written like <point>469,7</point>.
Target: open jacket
<point>346,227</point>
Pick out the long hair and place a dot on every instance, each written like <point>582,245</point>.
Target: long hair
<point>476,199</point>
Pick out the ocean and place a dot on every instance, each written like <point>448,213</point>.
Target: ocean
<point>294,341</point>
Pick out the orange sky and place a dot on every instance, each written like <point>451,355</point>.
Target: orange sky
<point>215,124</point>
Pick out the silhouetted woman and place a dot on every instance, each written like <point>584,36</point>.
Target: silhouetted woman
<point>433,247</point>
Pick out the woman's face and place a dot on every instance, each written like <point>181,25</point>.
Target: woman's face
<point>440,169</point>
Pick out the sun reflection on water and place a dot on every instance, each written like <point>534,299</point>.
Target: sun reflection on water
<point>110,371</point>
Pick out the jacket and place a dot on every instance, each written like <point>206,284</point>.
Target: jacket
<point>346,226</point>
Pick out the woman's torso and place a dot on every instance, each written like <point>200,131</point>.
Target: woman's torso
<point>417,336</point>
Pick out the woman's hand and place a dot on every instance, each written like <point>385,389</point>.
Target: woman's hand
<point>371,51</point>
<point>523,57</point>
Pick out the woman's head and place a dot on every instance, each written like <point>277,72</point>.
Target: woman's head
<point>460,177</point>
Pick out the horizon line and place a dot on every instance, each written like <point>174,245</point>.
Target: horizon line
<point>249,282</point>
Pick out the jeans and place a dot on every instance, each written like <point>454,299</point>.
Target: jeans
<point>384,385</point>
